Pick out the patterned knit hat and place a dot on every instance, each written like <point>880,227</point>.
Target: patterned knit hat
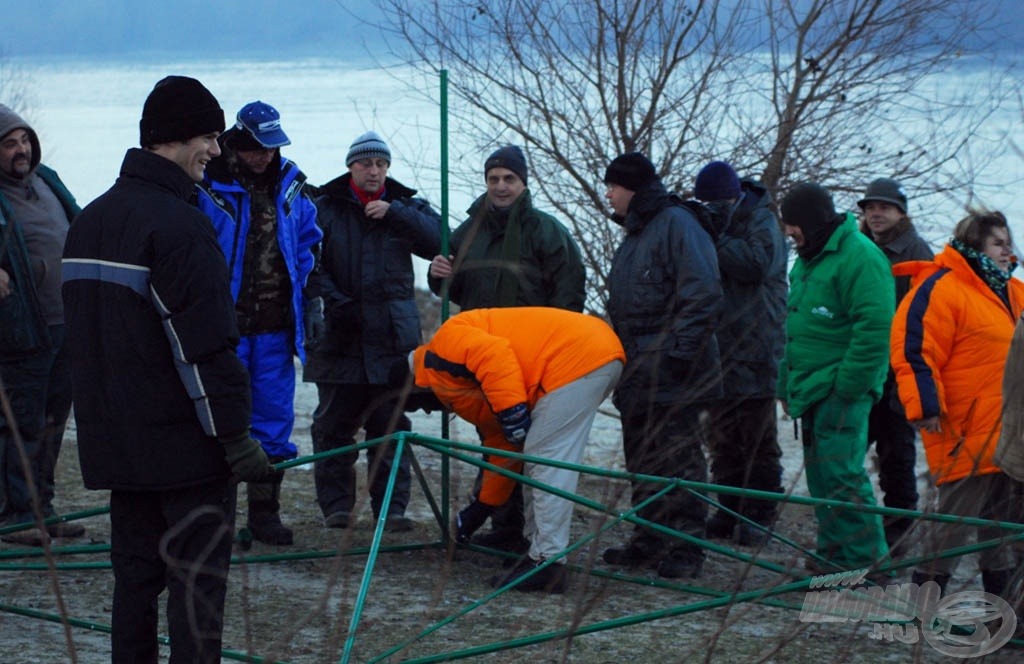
<point>368,146</point>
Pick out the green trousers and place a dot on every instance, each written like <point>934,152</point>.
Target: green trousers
<point>835,441</point>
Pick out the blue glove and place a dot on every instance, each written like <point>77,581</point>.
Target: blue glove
<point>515,422</point>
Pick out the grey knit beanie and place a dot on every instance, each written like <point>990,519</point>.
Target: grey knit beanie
<point>368,146</point>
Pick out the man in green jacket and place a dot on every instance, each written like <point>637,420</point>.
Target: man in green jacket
<point>841,304</point>
<point>35,212</point>
<point>509,254</point>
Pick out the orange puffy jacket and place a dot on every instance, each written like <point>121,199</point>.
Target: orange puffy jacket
<point>948,348</point>
<point>484,361</point>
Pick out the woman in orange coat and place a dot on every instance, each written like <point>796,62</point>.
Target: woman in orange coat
<point>531,380</point>
<point>950,339</point>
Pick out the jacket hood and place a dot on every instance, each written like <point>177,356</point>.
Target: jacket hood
<point>9,121</point>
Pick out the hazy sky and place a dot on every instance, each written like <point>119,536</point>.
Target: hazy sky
<point>243,27</point>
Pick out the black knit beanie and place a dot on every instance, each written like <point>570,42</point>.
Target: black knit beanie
<point>510,157</point>
<point>809,207</point>
<point>631,170</point>
<point>179,108</point>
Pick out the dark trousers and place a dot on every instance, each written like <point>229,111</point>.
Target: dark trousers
<point>39,389</point>
<point>896,446</point>
<point>666,441</point>
<point>179,540</point>
<point>342,411</point>
<point>745,453</point>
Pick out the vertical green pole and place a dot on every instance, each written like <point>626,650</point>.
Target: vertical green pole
<point>445,432</point>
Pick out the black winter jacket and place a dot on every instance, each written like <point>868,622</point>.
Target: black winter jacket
<point>549,272</point>
<point>752,255</point>
<point>151,335</point>
<point>366,280</point>
<point>664,302</point>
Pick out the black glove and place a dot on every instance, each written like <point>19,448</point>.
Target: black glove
<point>246,457</point>
<point>515,422</point>
<point>313,325</point>
<point>469,520</point>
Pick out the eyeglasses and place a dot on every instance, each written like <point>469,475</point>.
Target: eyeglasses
<point>382,164</point>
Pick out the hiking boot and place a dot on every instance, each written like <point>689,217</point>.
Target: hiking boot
<point>552,579</point>
<point>721,525</point>
<point>681,564</point>
<point>920,578</point>
<point>398,524</point>
<point>27,537</point>
<point>506,539</point>
<point>634,554</point>
<point>337,520</point>
<point>265,525</point>
<point>65,529</point>
<point>750,535</point>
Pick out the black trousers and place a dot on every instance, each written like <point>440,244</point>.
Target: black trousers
<point>666,441</point>
<point>341,412</point>
<point>745,452</point>
<point>179,540</point>
<point>896,446</point>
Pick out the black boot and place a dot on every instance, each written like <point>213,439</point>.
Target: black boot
<point>264,511</point>
<point>997,582</point>
<point>920,578</point>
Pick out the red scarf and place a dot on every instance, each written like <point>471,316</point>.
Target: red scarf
<point>365,197</point>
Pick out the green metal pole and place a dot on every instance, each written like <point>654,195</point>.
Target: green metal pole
<point>445,431</point>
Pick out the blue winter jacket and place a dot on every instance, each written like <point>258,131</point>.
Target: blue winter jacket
<point>228,204</point>
<point>664,301</point>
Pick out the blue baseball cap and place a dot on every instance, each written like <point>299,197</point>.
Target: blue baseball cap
<point>263,123</point>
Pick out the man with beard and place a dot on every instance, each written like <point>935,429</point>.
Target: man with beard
<point>35,211</point>
<point>266,226</point>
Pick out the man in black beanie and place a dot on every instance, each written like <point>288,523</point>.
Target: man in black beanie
<point>509,254</point>
<point>664,300</point>
<point>840,307</point>
<point>162,401</point>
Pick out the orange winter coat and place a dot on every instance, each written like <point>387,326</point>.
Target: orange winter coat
<point>949,344</point>
<point>484,361</point>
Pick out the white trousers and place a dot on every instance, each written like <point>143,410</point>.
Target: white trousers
<point>560,427</point>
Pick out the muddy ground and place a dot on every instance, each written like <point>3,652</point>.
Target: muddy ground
<point>300,610</point>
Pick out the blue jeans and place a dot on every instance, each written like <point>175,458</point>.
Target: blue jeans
<point>38,387</point>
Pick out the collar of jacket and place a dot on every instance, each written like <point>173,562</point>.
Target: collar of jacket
<point>515,211</point>
<point>151,167</point>
<point>647,202</point>
<point>897,238</point>
<point>338,189</point>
